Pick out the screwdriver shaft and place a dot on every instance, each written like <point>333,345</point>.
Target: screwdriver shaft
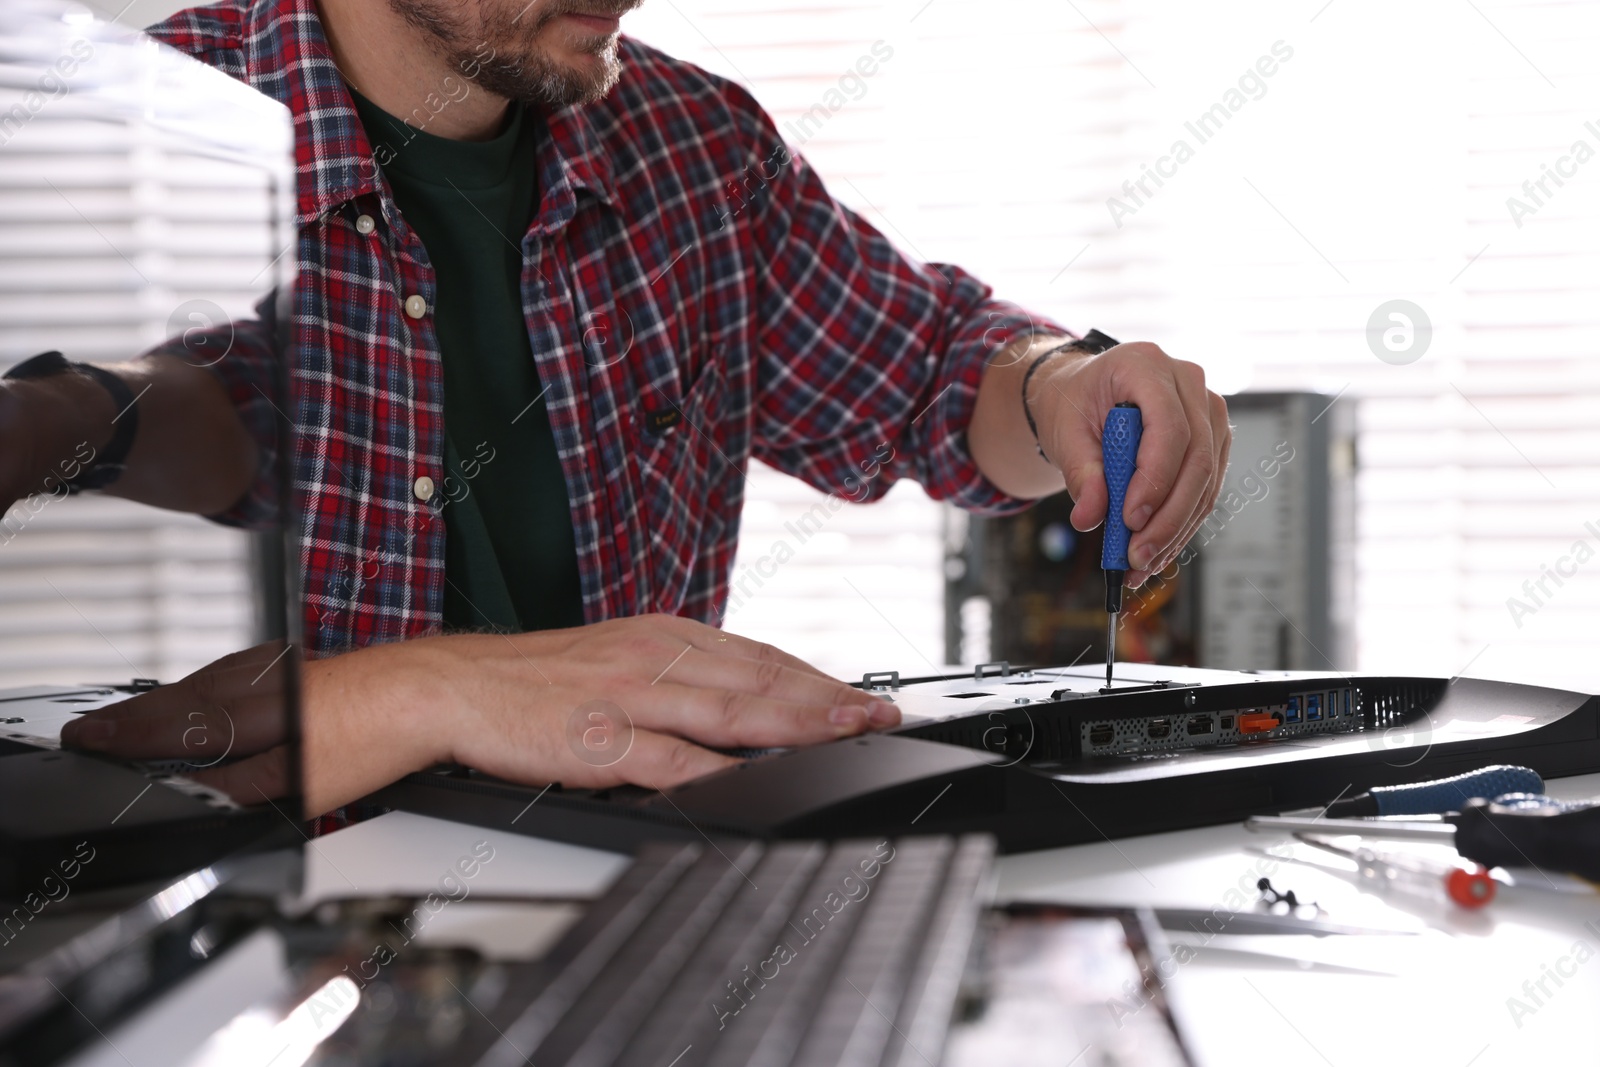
<point>1111,645</point>
<point>1441,832</point>
<point>1113,609</point>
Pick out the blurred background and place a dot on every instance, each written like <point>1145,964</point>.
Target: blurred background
<point>1341,155</point>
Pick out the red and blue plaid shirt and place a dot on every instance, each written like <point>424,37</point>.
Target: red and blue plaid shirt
<point>694,297</point>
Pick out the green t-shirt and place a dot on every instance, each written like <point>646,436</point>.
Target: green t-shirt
<point>510,559</point>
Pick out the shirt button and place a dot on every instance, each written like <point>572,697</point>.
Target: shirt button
<point>416,307</point>
<point>423,488</point>
<point>364,224</point>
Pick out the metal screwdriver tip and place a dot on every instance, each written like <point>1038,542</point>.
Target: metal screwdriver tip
<point>1113,609</point>
<point>1111,645</point>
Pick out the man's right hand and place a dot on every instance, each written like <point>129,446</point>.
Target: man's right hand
<point>640,701</point>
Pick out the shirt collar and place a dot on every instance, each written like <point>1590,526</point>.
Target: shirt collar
<point>289,59</point>
<point>579,153</point>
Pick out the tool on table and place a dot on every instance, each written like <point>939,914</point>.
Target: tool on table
<point>1201,921</point>
<point>1440,795</point>
<point>1119,448</point>
<point>1515,830</point>
<point>1391,871</point>
<point>1272,896</point>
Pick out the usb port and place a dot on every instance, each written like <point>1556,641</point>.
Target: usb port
<point>1227,722</point>
<point>1314,707</point>
<point>1349,702</point>
<point>1159,728</point>
<point>1293,713</point>
<point>1102,734</point>
<point>1201,724</point>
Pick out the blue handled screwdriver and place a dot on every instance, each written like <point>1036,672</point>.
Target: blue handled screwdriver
<point>1438,796</point>
<point>1119,447</point>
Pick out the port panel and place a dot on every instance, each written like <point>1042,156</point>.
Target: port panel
<point>1301,714</point>
<point>1073,726</point>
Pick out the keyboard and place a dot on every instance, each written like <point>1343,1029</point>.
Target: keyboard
<point>796,954</point>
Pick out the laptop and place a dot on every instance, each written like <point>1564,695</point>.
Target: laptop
<point>1046,757</point>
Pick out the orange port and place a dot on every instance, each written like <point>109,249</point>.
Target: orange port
<point>1256,724</point>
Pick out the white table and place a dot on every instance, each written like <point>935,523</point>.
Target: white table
<point>1441,997</point>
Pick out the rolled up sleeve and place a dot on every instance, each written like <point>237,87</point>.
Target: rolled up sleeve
<point>250,371</point>
<point>868,362</point>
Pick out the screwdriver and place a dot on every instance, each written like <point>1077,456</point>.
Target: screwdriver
<point>1119,447</point>
<point>1515,830</point>
<point>1440,795</point>
<point>1387,872</point>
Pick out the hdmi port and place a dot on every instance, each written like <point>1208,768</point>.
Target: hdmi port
<point>1159,728</point>
<point>1201,724</point>
<point>1102,735</point>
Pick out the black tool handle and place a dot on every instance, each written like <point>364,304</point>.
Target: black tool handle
<point>1562,838</point>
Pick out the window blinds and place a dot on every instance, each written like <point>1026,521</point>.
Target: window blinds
<point>114,231</point>
<point>1373,163</point>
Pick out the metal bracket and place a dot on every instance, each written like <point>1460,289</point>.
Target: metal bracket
<point>873,681</point>
<point>1004,672</point>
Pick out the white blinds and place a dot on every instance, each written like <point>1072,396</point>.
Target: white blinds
<point>1372,163</point>
<point>110,223</point>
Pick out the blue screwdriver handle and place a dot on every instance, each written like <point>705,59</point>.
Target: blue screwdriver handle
<point>1452,794</point>
<point>1119,447</point>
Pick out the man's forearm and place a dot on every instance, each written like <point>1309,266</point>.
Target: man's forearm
<point>191,452</point>
<point>1001,443</point>
<point>367,721</point>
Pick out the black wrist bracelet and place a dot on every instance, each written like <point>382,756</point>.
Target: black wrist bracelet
<point>108,465</point>
<point>1094,342</point>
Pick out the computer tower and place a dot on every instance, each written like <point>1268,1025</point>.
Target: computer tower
<point>1266,583</point>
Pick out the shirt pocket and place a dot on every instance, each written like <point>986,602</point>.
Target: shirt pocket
<point>677,454</point>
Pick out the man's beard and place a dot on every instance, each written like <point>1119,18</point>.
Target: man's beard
<point>501,55</point>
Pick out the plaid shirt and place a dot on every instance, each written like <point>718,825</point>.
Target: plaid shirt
<point>694,297</point>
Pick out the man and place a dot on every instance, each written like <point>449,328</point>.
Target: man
<point>555,289</point>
